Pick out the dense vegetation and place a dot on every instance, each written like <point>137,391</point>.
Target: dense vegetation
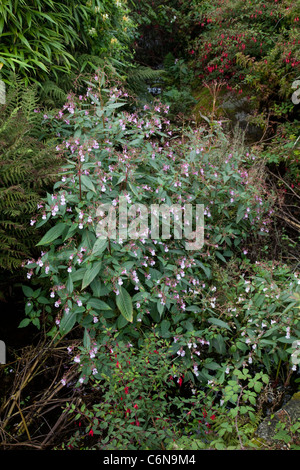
<point>148,339</point>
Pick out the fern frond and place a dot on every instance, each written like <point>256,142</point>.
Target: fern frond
<point>51,94</point>
<point>139,79</point>
<point>28,168</point>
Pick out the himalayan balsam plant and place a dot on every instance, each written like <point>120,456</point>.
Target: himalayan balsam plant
<point>92,284</point>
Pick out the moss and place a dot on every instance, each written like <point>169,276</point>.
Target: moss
<point>258,443</point>
<point>296,396</point>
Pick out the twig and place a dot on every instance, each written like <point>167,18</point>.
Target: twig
<point>51,434</point>
<point>23,420</point>
<point>284,182</point>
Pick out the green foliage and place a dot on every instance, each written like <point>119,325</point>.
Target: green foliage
<point>221,315</point>
<point>141,404</point>
<point>44,41</point>
<point>177,89</point>
<point>28,167</point>
<point>254,47</point>
<point>145,281</point>
<point>33,37</point>
<point>288,433</point>
<point>177,342</point>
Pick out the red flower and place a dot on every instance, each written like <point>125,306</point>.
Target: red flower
<point>91,432</point>
<point>126,390</point>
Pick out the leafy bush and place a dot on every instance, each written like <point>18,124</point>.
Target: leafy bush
<point>254,47</point>
<point>97,135</point>
<point>141,404</point>
<point>219,311</point>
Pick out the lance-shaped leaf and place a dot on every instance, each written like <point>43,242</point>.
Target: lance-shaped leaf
<point>90,274</point>
<point>87,183</point>
<point>98,304</point>
<point>52,234</point>
<point>124,304</point>
<point>99,246</point>
<point>67,322</point>
<point>221,323</point>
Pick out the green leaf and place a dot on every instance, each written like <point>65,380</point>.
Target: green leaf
<point>36,322</point>
<point>282,435</point>
<point>90,274</point>
<point>69,285</point>
<point>70,232</point>
<point>124,304</point>
<point>134,190</point>
<point>212,365</point>
<point>259,300</point>
<point>160,307</point>
<point>78,275</point>
<point>289,307</point>
<point>121,322</point>
<point>115,105</point>
<point>24,323</point>
<point>193,308</point>
<point>86,339</point>
<point>87,183</point>
<point>258,386</point>
<point>99,246</point>
<point>165,325</point>
<point>219,344</point>
<point>240,213</point>
<point>206,269</point>
<point>67,322</point>
<point>96,288</point>
<point>43,300</point>
<point>221,323</point>
<point>28,292</point>
<point>52,234</point>
<point>98,304</point>
<point>283,339</point>
<point>221,257</point>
